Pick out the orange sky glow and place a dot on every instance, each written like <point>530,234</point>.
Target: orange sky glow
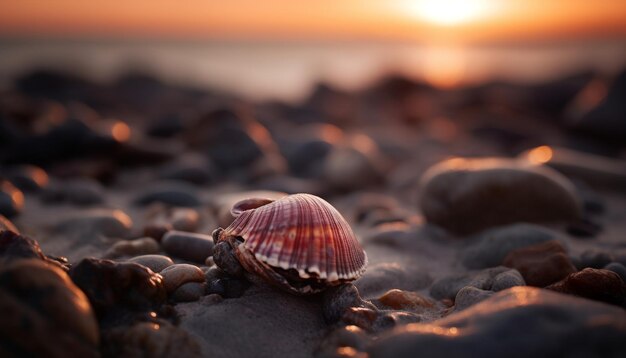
<point>413,20</point>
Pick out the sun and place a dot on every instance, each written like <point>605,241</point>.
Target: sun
<point>449,12</point>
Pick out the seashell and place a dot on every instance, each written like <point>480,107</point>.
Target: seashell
<point>299,243</point>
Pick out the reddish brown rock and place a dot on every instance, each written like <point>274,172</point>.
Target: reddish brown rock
<point>595,284</point>
<point>398,299</point>
<point>541,264</point>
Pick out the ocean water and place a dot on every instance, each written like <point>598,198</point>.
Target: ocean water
<point>288,70</point>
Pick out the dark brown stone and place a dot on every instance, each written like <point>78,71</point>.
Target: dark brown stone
<point>112,286</point>
<point>15,246</point>
<point>595,284</point>
<point>44,313</point>
<point>541,264</point>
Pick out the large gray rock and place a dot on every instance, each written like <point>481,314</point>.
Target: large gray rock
<point>518,322</point>
<point>466,196</point>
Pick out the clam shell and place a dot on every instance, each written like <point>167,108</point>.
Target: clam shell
<point>301,232</point>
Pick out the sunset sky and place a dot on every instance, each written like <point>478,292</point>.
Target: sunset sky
<point>469,20</point>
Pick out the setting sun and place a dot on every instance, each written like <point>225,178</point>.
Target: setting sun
<point>450,12</point>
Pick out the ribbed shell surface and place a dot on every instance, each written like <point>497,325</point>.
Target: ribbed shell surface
<point>302,232</point>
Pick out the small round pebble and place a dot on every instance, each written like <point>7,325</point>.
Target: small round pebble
<point>188,246</point>
<point>176,275</point>
<point>155,263</point>
<point>6,224</point>
<point>111,223</point>
<point>618,268</point>
<point>398,299</point>
<point>189,292</point>
<point>11,199</point>
<point>170,193</point>
<point>141,246</point>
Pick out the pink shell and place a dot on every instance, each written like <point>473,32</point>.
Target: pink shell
<point>301,232</point>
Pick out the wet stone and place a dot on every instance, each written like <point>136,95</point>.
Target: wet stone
<point>170,193</point>
<point>189,292</point>
<point>467,196</point>
<point>596,284</point>
<point>494,245</point>
<point>11,199</point>
<point>44,313</point>
<point>141,246</point>
<point>112,286</point>
<point>541,264</point>
<point>156,263</point>
<point>178,274</point>
<point>188,246</point>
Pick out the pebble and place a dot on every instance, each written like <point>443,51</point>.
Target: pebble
<point>83,191</point>
<point>398,299</point>
<point>362,317</point>
<point>176,275</point>
<point>226,260</point>
<point>469,296</point>
<point>354,167</point>
<point>196,171</point>
<point>507,279</point>
<point>113,287</point>
<point>165,126</point>
<point>385,276</point>
<point>492,246</point>
<point>618,268</point>
<point>596,284</point>
<point>107,222</point>
<point>189,292</point>
<point>467,196</point>
<point>141,246</point>
<point>151,339</point>
<point>155,263</point>
<point>229,138</point>
<point>594,258</point>
<point>14,246</point>
<point>27,177</point>
<point>515,322</point>
<point>6,224</point>
<point>44,313</point>
<point>169,193</point>
<point>347,336</point>
<point>541,264</point>
<point>156,231</point>
<point>337,300</point>
<point>188,246</point>
<point>228,287</point>
<point>11,199</point>
<point>448,287</point>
